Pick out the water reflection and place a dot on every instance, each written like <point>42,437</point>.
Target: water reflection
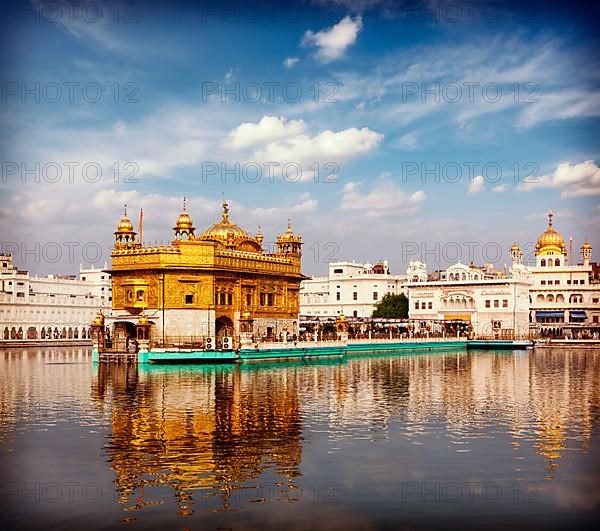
<point>232,444</point>
<point>209,431</point>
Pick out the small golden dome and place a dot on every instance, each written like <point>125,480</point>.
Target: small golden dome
<point>125,224</point>
<point>288,235</point>
<point>341,317</point>
<point>586,245</point>
<point>99,319</point>
<point>550,240</point>
<point>143,320</point>
<point>184,221</point>
<point>246,315</point>
<point>515,247</point>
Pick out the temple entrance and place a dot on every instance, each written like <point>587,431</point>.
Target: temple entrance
<point>224,327</point>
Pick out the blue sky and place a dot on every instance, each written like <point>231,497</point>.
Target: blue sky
<point>424,118</point>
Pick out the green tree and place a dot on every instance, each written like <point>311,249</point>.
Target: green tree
<point>392,307</point>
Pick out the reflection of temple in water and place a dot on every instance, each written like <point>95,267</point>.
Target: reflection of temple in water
<point>202,434</point>
<point>207,434</point>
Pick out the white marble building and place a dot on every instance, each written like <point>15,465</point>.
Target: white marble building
<point>52,307</point>
<point>350,288</point>
<point>564,298</point>
<point>495,306</point>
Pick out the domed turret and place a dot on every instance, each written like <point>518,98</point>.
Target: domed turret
<point>184,227</point>
<point>288,242</point>
<point>259,236</point>
<point>586,253</point>
<point>124,235</point>
<point>516,254</point>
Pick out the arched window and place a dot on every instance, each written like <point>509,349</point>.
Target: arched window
<point>557,262</point>
<point>550,298</point>
<point>560,298</point>
<point>464,277</point>
<point>543,262</point>
<point>6,332</point>
<point>539,298</point>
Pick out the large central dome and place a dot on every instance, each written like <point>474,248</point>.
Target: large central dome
<point>230,235</point>
<point>550,241</point>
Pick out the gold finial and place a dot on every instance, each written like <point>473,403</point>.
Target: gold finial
<point>184,203</point>
<point>225,212</point>
<point>550,216</point>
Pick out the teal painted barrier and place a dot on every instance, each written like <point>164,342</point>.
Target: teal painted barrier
<point>301,353</point>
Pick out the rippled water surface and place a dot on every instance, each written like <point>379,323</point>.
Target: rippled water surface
<point>494,439</point>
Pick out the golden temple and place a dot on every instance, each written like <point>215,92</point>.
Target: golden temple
<point>219,283</point>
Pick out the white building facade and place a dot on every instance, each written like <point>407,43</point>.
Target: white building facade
<point>49,308</point>
<point>492,307</point>
<point>350,288</point>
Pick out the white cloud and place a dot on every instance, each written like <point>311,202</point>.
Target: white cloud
<point>558,214</point>
<point>476,185</point>
<point>327,146</point>
<point>501,188</point>
<point>332,42</point>
<point>290,62</point>
<point>278,140</point>
<point>408,142</point>
<point>383,199</point>
<point>561,105</point>
<point>574,180</point>
<point>269,129</point>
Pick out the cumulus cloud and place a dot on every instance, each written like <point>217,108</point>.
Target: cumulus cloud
<point>476,185</point>
<point>327,146</point>
<point>501,188</point>
<point>331,43</point>
<point>382,199</point>
<point>277,140</point>
<point>574,180</point>
<point>290,62</point>
<point>269,129</point>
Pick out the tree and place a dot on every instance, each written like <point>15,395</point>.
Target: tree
<point>392,307</point>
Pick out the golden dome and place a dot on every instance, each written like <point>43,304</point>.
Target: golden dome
<point>184,221</point>
<point>99,319</point>
<point>125,224</point>
<point>230,235</point>
<point>288,235</point>
<point>515,247</point>
<point>550,241</point>
<point>143,320</point>
<point>586,245</point>
<point>246,315</point>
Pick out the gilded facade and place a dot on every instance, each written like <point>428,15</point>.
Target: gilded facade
<point>214,284</point>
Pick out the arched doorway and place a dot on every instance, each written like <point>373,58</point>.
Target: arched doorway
<point>224,327</point>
